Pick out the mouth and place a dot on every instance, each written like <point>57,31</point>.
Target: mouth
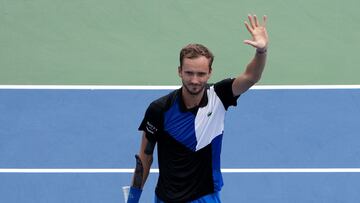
<point>194,86</point>
<point>194,89</point>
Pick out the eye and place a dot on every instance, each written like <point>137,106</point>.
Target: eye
<point>202,74</point>
<point>189,73</point>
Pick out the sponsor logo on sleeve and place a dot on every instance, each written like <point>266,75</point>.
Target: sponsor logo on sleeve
<point>151,128</point>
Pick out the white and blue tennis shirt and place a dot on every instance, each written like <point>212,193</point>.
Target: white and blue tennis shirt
<point>189,142</point>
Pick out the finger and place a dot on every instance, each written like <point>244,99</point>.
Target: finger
<point>249,42</point>
<point>256,21</point>
<point>248,27</point>
<point>251,20</point>
<point>264,21</point>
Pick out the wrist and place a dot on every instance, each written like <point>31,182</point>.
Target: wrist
<point>134,195</point>
<point>261,50</point>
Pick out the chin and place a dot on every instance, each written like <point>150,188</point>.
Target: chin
<point>195,91</point>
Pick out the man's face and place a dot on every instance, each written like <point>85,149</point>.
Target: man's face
<point>194,74</point>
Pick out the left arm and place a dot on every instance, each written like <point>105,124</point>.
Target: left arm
<point>256,66</point>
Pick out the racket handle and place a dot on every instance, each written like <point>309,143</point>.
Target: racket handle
<point>126,190</point>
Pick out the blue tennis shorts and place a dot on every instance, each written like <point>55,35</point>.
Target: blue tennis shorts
<point>211,198</point>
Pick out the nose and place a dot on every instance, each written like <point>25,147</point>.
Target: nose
<point>195,79</point>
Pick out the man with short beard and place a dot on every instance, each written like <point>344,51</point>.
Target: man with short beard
<point>188,124</point>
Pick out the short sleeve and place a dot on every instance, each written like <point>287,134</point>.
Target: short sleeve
<point>224,91</point>
<point>152,122</point>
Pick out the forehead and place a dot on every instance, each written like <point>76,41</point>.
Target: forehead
<point>196,64</point>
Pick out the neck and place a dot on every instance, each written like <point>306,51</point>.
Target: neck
<point>191,100</point>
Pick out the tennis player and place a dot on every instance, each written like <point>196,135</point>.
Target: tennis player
<point>188,124</point>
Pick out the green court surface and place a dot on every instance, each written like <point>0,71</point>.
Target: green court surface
<point>118,42</point>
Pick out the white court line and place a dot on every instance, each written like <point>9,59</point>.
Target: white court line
<point>154,170</point>
<point>139,87</point>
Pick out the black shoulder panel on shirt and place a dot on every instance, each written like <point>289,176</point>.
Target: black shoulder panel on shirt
<point>223,89</point>
<point>152,122</point>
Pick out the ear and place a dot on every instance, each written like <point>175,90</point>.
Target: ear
<point>179,71</point>
<point>210,71</point>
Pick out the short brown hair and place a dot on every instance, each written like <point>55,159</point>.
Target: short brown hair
<point>192,51</point>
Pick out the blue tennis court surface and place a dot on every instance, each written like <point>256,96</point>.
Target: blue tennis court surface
<point>98,129</point>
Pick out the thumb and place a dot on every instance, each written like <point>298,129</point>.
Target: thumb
<point>249,42</point>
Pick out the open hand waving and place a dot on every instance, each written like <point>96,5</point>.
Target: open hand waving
<point>258,32</point>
